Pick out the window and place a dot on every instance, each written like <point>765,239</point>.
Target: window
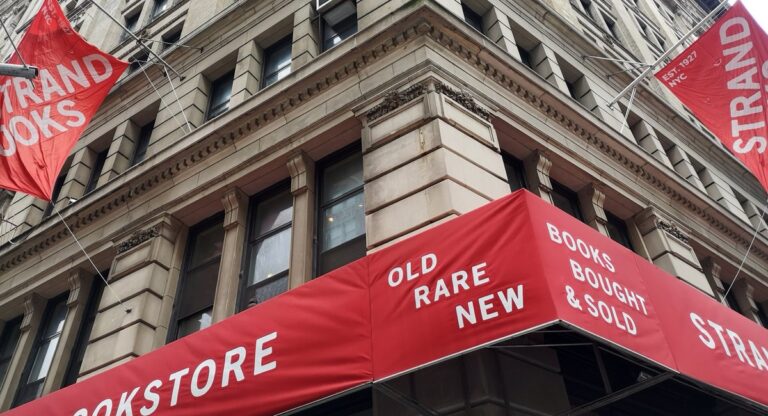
<point>8,341</point>
<point>338,24</point>
<point>160,7</point>
<point>566,200</point>
<point>98,165</point>
<point>194,300</point>
<point>341,222</point>
<point>269,246</point>
<point>221,92</point>
<point>277,61</point>
<point>761,315</point>
<point>515,175</point>
<point>84,334</point>
<point>171,38</point>
<point>138,61</point>
<point>617,230</point>
<point>611,25</point>
<point>472,18</point>
<point>41,358</point>
<point>525,56</point>
<point>131,23</point>
<point>730,298</point>
<point>140,151</point>
<point>55,193</point>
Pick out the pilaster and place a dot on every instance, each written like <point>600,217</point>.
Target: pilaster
<point>302,170</point>
<point>668,248</point>
<point>77,177</point>
<point>591,201</point>
<point>537,166</point>
<point>235,204</point>
<point>305,45</point>
<point>722,193</point>
<point>139,276</point>
<point>247,72</point>
<point>120,151</point>
<point>170,125</point>
<point>647,139</point>
<point>682,165</point>
<point>496,27</point>
<point>429,154</point>
<point>544,62</point>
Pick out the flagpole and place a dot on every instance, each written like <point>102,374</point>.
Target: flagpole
<point>127,310</point>
<point>136,38</point>
<point>668,52</point>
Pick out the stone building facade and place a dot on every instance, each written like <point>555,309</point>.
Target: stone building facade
<point>298,140</point>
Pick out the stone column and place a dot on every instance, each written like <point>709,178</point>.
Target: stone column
<point>667,245</point>
<point>305,38</point>
<point>34,308</point>
<point>537,167</point>
<point>544,62</point>
<point>247,72</point>
<point>591,201</point>
<point>302,170</point>
<point>646,137</point>
<point>235,220</point>
<point>721,192</point>
<point>429,154</point>
<point>138,276</point>
<point>496,27</point>
<point>77,177</point>
<point>120,152</point>
<point>683,167</point>
<point>193,95</point>
<point>79,291</point>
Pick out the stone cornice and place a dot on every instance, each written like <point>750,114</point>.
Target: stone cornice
<point>311,81</point>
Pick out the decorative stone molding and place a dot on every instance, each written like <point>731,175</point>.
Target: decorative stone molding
<point>424,20</point>
<point>650,219</point>
<point>464,99</point>
<point>394,99</point>
<point>302,170</point>
<point>31,303</point>
<point>673,230</point>
<point>137,238</point>
<point>235,204</point>
<point>75,282</point>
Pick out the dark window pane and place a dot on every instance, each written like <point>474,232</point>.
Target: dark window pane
<point>199,289</point>
<point>273,213</point>
<point>566,200</point>
<point>341,255</point>
<point>277,61</point>
<point>338,24</point>
<point>98,165</point>
<point>761,314</point>
<point>41,357</point>
<point>342,221</point>
<point>472,18</point>
<point>221,92</point>
<point>525,57</point>
<point>342,177</point>
<point>138,61</point>
<point>730,298</point>
<point>270,256</point>
<point>207,245</point>
<point>194,323</point>
<point>617,229</point>
<point>131,23</point>
<point>160,7</point>
<point>8,342</point>
<point>55,193</point>
<point>142,144</point>
<point>169,39</point>
<point>271,289</point>
<point>84,334</point>
<point>515,176</point>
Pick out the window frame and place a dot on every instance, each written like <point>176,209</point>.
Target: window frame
<point>268,52</point>
<point>85,330</point>
<point>252,240</point>
<point>14,323</point>
<point>221,108</point>
<point>621,225</point>
<point>142,143</point>
<point>347,22</point>
<point>322,165</point>
<point>40,338</point>
<point>472,18</point>
<point>57,186</point>
<point>173,327</point>
<point>518,166</point>
<point>570,195</point>
<point>98,166</point>
<point>167,5</point>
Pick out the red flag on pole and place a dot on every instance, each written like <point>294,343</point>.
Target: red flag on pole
<point>42,119</point>
<point>721,78</point>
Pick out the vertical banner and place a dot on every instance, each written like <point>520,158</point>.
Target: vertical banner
<point>721,78</point>
<point>42,119</point>
<point>466,283</point>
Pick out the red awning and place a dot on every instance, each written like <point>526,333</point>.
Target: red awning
<point>509,267</point>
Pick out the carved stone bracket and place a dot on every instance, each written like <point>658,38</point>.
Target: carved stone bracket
<point>137,238</point>
<point>31,303</point>
<point>75,284</point>
<point>395,99</point>
<point>464,99</point>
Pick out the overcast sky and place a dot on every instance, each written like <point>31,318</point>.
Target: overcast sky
<point>759,10</point>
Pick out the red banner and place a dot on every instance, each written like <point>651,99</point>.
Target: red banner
<point>722,79</point>
<point>509,267</point>
<point>42,119</point>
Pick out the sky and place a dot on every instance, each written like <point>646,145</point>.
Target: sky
<point>758,9</point>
